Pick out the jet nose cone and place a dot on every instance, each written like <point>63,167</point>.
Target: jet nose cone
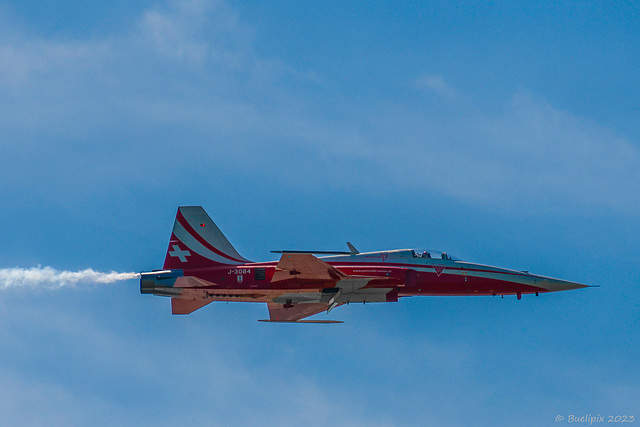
<point>555,285</point>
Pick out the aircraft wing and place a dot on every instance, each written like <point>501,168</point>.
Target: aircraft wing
<point>301,266</point>
<point>335,288</point>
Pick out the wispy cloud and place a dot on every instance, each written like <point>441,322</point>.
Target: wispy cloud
<point>436,85</point>
<point>95,365</point>
<point>195,32</point>
<point>189,72</point>
<point>530,154</point>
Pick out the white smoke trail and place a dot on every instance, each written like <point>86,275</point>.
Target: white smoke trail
<point>50,278</point>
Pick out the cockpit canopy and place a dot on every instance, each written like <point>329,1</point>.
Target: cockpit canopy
<point>429,253</point>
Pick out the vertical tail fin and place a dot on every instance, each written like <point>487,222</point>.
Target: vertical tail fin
<point>196,242</point>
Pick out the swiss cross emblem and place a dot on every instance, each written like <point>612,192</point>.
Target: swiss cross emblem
<point>179,253</point>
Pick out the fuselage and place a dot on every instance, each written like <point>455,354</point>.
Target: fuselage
<point>406,271</point>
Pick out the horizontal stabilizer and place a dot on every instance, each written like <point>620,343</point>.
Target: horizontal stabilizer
<point>186,306</point>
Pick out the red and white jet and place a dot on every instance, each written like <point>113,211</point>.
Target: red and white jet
<point>201,266</point>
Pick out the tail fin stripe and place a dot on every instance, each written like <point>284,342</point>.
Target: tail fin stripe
<point>194,234</point>
<point>184,223</point>
<point>184,240</point>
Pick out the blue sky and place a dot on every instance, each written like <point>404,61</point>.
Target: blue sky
<point>505,134</point>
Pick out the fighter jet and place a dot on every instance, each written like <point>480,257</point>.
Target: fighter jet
<point>201,266</point>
